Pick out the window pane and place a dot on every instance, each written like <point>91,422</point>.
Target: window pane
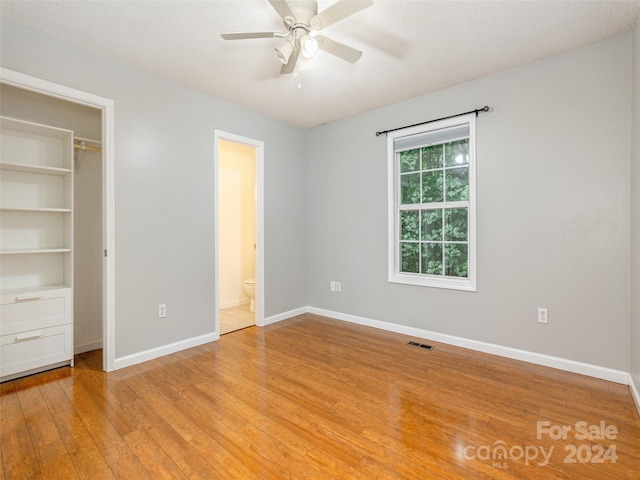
<point>410,188</point>
<point>432,187</point>
<point>432,224</point>
<point>432,157</point>
<point>457,153</point>
<point>410,257</point>
<point>455,224</point>
<point>456,260</point>
<point>410,161</point>
<point>432,258</point>
<point>410,225</point>
<point>457,184</point>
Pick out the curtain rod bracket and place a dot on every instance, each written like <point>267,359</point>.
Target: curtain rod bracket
<point>476,111</point>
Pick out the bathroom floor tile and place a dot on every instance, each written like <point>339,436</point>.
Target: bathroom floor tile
<point>247,317</point>
<point>235,318</point>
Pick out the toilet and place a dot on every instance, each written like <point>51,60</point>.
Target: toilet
<point>250,289</point>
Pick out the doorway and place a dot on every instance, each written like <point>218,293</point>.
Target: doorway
<point>58,103</point>
<point>239,275</point>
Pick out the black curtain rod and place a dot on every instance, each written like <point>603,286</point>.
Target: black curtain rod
<point>476,111</point>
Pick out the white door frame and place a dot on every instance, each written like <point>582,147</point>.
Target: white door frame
<point>259,182</point>
<point>106,105</point>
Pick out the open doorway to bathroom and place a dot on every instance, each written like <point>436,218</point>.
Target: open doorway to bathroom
<point>239,220</point>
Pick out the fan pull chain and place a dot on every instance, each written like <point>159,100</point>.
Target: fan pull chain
<point>296,74</point>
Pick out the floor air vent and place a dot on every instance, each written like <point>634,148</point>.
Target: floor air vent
<point>421,345</point>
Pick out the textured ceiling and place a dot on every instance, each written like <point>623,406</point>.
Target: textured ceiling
<point>411,47</point>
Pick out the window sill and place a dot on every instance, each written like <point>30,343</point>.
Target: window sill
<point>435,282</point>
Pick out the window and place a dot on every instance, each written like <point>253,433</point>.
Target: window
<point>432,204</point>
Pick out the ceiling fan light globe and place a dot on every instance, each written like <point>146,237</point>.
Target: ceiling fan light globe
<point>284,51</point>
<point>308,46</point>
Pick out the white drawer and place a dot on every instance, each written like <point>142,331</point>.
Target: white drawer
<point>22,352</point>
<point>25,312</point>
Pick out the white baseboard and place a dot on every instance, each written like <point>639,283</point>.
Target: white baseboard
<point>285,315</point>
<point>234,303</point>
<point>634,392</point>
<point>596,371</point>
<point>87,347</point>
<point>140,357</point>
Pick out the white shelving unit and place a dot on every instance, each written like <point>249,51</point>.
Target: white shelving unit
<point>36,247</point>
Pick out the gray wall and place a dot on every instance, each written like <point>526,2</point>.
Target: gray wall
<point>635,212</point>
<point>553,210</point>
<point>164,146</point>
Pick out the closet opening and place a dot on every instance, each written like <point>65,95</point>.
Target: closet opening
<point>57,250</point>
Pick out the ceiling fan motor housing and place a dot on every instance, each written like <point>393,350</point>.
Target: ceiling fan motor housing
<point>304,11</point>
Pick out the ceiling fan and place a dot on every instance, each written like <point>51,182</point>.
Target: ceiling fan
<point>301,18</point>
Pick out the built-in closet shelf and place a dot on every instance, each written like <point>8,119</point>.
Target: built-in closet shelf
<point>42,210</point>
<point>31,293</point>
<point>22,167</point>
<point>34,250</point>
<point>36,231</point>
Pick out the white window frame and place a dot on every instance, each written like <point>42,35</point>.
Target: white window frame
<point>393,175</point>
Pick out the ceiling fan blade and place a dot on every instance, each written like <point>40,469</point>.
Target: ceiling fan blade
<point>337,12</point>
<point>243,36</point>
<point>338,49</point>
<point>291,64</point>
<point>283,9</point>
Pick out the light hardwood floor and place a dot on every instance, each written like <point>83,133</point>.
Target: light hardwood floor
<point>315,398</point>
<point>235,318</point>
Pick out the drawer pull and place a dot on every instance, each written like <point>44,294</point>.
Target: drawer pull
<point>28,335</point>
<point>27,299</point>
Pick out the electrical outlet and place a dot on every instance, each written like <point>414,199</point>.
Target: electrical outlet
<point>542,315</point>
<point>333,286</point>
<point>338,287</point>
<point>162,310</point>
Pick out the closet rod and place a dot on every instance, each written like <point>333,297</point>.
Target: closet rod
<point>82,146</point>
